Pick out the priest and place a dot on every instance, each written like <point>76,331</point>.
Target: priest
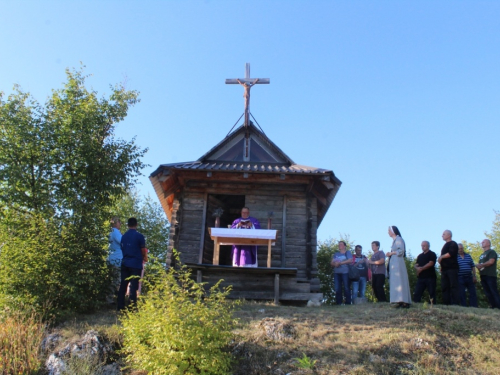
<point>245,255</point>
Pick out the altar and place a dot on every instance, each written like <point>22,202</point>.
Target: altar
<point>253,237</point>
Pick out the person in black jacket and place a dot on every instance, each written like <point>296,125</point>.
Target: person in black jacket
<point>426,274</point>
<point>449,270</point>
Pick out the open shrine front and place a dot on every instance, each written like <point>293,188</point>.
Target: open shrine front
<point>286,273</point>
<point>228,208</point>
<point>231,207</point>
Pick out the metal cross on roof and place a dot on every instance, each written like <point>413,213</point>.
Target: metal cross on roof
<point>247,84</point>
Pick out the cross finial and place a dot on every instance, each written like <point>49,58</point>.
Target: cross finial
<point>247,84</point>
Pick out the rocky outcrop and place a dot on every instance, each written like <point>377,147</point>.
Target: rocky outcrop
<point>92,350</point>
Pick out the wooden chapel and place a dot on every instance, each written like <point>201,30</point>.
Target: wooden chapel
<point>247,169</point>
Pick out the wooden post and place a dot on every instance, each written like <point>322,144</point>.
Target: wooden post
<point>276,288</point>
<point>203,229</point>
<point>269,219</point>
<point>283,234</point>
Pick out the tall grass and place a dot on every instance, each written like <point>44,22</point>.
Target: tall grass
<point>21,335</point>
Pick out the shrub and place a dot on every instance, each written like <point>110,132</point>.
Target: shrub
<point>41,265</point>
<point>178,327</point>
<point>21,335</point>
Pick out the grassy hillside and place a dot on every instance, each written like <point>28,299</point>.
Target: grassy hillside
<point>373,339</point>
<point>365,339</point>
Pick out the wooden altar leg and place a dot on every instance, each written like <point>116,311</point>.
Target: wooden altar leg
<point>216,251</point>
<point>269,254</point>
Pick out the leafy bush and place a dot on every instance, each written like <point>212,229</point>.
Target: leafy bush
<point>20,337</point>
<point>178,327</point>
<point>41,266</point>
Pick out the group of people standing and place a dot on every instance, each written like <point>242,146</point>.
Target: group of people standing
<point>458,273</point>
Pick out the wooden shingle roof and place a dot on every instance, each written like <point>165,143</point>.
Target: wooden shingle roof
<point>247,150</point>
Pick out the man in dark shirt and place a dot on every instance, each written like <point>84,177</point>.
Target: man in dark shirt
<point>135,253</point>
<point>449,270</point>
<point>487,267</point>
<point>426,274</point>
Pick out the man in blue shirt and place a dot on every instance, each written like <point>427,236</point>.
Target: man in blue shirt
<point>114,239</point>
<point>466,277</point>
<point>135,253</point>
<point>115,257</point>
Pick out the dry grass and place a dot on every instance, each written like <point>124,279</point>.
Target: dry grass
<point>371,339</point>
<point>361,339</point>
<point>20,339</point>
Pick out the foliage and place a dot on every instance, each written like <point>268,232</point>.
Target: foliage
<point>60,169</point>
<point>40,268</point>
<point>152,221</point>
<point>305,362</point>
<point>178,327</point>
<point>21,335</point>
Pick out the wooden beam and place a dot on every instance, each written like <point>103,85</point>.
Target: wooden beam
<point>203,224</point>
<point>283,233</point>
<point>309,236</point>
<point>276,288</point>
<point>231,81</point>
<point>265,177</point>
<point>170,186</point>
<point>319,197</point>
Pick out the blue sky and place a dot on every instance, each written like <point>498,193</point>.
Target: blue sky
<point>401,99</point>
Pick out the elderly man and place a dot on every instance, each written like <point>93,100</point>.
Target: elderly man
<point>466,277</point>
<point>426,273</point>
<point>245,255</point>
<point>488,271</point>
<point>449,270</point>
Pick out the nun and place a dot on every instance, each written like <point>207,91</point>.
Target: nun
<point>398,275</point>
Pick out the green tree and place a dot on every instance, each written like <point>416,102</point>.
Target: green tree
<point>61,167</point>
